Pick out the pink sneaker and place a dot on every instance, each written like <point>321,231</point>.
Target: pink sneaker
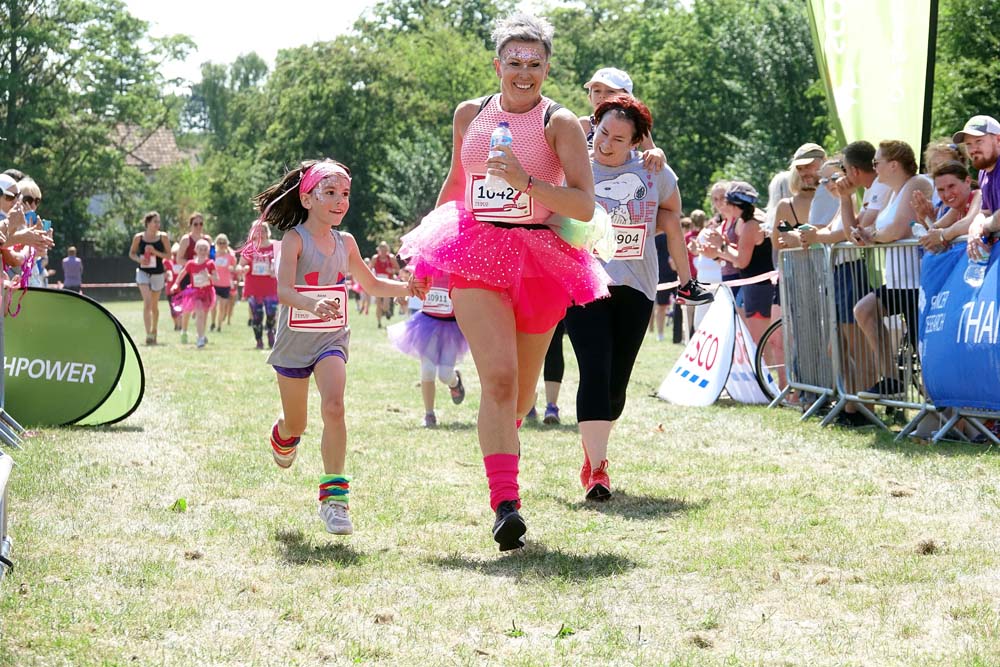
<point>599,486</point>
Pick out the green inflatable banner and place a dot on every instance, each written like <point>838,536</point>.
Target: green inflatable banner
<point>873,57</point>
<point>67,360</point>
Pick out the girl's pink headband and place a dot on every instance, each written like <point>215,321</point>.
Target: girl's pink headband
<point>318,172</point>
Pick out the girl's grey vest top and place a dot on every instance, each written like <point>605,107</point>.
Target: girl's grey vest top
<point>299,349</point>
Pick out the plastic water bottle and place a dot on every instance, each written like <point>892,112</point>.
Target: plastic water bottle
<point>917,229</point>
<point>501,137</point>
<point>976,271</point>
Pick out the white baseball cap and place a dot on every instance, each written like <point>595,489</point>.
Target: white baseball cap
<point>612,78</point>
<point>6,183</point>
<point>977,127</point>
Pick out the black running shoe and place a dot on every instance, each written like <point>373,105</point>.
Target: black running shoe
<point>885,388</point>
<point>509,528</point>
<point>852,420</point>
<point>458,391</point>
<point>693,294</point>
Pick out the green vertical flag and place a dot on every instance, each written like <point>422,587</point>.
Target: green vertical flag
<point>873,57</point>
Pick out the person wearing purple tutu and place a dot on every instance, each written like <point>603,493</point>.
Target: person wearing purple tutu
<point>512,277</point>
<point>199,296</point>
<point>433,336</point>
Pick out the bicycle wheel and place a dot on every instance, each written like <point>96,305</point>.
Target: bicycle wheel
<point>769,364</point>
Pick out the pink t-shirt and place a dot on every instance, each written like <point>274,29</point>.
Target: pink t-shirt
<point>224,263</point>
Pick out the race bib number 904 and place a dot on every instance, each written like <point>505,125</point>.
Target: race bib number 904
<point>504,205</point>
<point>631,240</point>
<point>303,320</point>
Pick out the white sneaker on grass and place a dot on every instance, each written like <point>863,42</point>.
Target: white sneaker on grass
<point>336,516</point>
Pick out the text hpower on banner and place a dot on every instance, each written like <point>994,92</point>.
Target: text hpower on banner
<point>67,360</point>
<point>873,59</point>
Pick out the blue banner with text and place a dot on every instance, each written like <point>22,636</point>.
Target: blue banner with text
<point>959,329</point>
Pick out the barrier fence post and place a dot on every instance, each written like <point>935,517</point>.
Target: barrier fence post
<point>805,287</point>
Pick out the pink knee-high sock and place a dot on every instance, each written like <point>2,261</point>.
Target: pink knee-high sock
<point>501,473</point>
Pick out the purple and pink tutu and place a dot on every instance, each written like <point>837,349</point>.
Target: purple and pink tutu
<point>191,299</point>
<point>542,274</point>
<point>426,337</point>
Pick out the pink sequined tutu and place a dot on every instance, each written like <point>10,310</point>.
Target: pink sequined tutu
<point>542,274</point>
<point>191,299</point>
<point>426,337</point>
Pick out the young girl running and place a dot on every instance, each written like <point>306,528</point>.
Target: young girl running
<point>225,264</point>
<point>199,296</point>
<point>432,336</point>
<point>312,334</point>
<point>260,287</point>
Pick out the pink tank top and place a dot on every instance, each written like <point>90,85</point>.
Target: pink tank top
<point>533,152</point>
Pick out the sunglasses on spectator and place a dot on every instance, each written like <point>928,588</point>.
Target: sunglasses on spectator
<point>31,201</point>
<point>9,195</point>
<point>197,224</point>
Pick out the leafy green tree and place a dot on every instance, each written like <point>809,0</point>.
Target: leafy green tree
<point>967,72</point>
<point>70,72</point>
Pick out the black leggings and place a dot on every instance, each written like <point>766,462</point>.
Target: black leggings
<point>555,365</point>
<point>606,337</point>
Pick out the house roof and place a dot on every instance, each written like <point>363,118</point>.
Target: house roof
<point>147,150</point>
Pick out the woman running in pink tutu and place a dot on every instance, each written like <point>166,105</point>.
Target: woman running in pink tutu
<point>512,277</point>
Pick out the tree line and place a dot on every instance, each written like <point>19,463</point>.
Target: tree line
<point>732,85</point>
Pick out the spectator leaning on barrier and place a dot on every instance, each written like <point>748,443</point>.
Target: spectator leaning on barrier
<point>749,250</point>
<point>72,271</point>
<point>794,211</point>
<point>850,282</point>
<point>948,221</point>
<point>896,167</point>
<point>859,170</point>
<point>981,136</point>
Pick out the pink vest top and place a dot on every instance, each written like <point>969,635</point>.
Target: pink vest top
<point>532,151</point>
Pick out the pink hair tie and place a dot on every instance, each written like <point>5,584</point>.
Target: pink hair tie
<point>318,172</point>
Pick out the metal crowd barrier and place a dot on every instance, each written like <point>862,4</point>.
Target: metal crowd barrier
<point>850,323</point>
<point>874,308</point>
<point>805,286</point>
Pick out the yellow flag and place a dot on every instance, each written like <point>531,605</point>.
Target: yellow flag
<point>873,56</point>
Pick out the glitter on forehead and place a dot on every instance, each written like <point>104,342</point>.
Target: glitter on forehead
<point>522,52</point>
<point>318,172</point>
<point>330,182</point>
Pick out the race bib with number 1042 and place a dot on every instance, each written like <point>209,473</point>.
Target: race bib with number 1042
<point>437,302</point>
<point>505,205</point>
<point>303,320</point>
<point>630,241</point>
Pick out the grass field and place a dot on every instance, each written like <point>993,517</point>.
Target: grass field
<point>737,535</point>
